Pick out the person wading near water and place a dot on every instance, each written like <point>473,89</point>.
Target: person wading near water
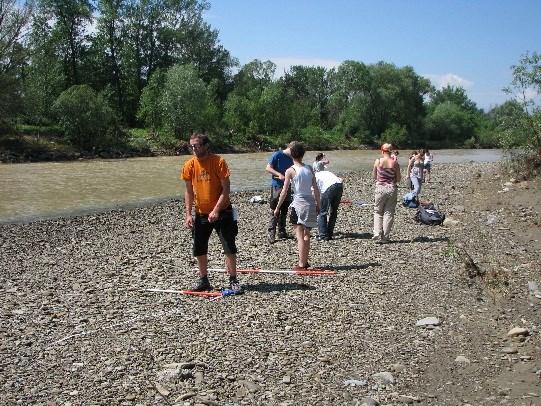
<point>331,189</point>
<point>279,162</point>
<point>321,162</point>
<point>386,173</point>
<point>306,201</point>
<point>207,185</point>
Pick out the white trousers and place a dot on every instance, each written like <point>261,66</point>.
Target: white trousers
<point>384,209</point>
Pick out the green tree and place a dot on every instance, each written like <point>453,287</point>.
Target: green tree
<point>86,119</point>
<point>150,107</point>
<point>184,101</point>
<point>525,129</point>
<point>68,21</point>
<point>309,94</point>
<point>243,107</point>
<point>349,99</point>
<point>449,124</point>
<point>107,46</point>
<point>451,108</point>
<point>14,18</point>
<point>456,95</point>
<point>158,34</point>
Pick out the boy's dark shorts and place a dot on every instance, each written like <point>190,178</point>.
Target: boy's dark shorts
<point>226,227</point>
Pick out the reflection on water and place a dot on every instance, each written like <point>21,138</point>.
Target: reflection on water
<point>38,190</point>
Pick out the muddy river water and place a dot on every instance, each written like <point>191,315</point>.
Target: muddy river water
<point>51,189</point>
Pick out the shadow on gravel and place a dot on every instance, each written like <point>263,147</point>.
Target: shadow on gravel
<point>361,236</point>
<point>277,287</point>
<point>428,239</point>
<point>355,267</point>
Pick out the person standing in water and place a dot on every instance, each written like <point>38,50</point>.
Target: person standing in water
<point>306,201</point>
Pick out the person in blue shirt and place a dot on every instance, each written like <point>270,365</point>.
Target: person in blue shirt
<point>278,163</point>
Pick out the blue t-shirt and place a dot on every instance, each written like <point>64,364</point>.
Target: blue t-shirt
<point>280,162</point>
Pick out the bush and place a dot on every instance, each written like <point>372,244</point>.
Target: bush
<point>86,119</point>
<point>523,164</point>
<point>395,134</point>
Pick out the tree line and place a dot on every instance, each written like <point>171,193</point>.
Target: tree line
<point>92,72</point>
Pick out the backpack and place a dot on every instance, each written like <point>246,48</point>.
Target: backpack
<point>410,200</point>
<point>429,215</point>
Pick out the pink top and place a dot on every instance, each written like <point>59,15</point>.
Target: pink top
<point>385,176</point>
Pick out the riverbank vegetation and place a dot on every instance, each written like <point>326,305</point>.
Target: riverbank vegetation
<point>112,78</point>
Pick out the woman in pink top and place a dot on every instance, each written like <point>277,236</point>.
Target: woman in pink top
<point>386,173</point>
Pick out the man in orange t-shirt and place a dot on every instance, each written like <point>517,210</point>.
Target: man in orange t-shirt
<point>207,185</point>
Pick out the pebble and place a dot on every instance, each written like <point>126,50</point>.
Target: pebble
<point>518,331</point>
<point>428,321</point>
<point>368,401</point>
<point>355,382</point>
<point>384,378</point>
<point>462,359</point>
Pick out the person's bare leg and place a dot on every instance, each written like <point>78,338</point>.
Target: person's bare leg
<point>231,264</point>
<point>306,245</point>
<point>300,241</point>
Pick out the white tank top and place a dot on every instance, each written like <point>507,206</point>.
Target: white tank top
<point>302,181</point>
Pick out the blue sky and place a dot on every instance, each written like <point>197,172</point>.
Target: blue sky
<point>463,43</point>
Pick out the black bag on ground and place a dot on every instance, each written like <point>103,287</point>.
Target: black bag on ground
<point>429,215</point>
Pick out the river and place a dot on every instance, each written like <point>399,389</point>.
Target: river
<point>35,191</point>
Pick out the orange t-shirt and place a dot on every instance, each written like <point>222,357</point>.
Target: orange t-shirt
<point>205,175</point>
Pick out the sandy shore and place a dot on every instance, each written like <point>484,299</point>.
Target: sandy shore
<point>78,327</point>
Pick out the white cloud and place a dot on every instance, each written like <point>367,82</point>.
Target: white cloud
<point>448,79</point>
<point>283,64</point>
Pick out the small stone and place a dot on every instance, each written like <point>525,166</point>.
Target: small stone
<point>509,350</point>
<point>286,379</point>
<point>162,389</point>
<point>185,396</point>
<point>131,396</point>
<point>368,401</point>
<point>462,359</point>
<point>408,400</point>
<point>198,378</point>
<point>355,382</point>
<point>450,222</point>
<point>428,321</point>
<point>250,386</point>
<point>518,331</point>
<point>533,286</point>
<point>384,378</point>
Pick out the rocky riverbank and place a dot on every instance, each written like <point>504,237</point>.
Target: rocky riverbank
<point>78,327</point>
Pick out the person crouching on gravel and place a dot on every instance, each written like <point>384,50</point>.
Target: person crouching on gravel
<point>386,173</point>
<point>306,201</point>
